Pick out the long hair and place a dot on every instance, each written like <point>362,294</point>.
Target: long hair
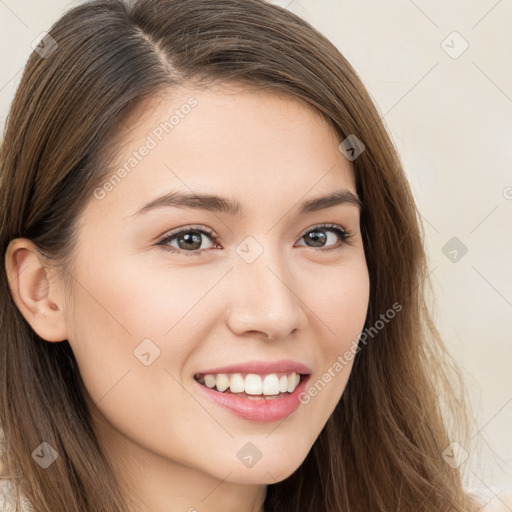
<point>382,448</point>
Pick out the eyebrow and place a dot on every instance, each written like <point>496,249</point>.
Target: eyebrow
<point>214,203</point>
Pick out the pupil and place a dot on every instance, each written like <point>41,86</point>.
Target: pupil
<point>190,239</point>
<point>316,236</point>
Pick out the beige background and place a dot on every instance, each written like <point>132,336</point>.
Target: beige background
<point>450,115</point>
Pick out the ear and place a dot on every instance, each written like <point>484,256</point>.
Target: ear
<point>38,298</point>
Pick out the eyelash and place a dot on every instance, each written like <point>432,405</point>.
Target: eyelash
<point>344,234</point>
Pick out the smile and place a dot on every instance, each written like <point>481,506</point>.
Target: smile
<point>273,384</point>
<point>255,397</point>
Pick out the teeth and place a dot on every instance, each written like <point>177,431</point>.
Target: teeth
<point>283,384</point>
<point>209,380</point>
<point>271,384</point>
<point>222,382</point>
<point>253,384</point>
<point>291,384</point>
<point>237,383</point>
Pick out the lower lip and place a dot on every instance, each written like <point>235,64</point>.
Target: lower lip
<point>261,410</point>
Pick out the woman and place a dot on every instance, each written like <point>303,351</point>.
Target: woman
<point>290,363</point>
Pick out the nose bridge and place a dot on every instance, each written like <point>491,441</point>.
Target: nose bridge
<point>262,296</point>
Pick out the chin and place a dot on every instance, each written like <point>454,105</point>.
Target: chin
<point>271,472</point>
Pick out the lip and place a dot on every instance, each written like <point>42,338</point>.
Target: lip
<point>260,367</point>
<point>260,410</point>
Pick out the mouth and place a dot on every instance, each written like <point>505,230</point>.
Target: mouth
<point>253,386</point>
<point>255,397</point>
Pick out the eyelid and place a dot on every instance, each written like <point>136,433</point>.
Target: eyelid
<point>323,225</point>
<point>188,227</point>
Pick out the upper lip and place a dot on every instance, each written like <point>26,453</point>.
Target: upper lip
<point>260,367</point>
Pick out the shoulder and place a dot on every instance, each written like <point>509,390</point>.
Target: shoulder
<point>7,498</point>
<point>500,503</point>
<point>6,495</point>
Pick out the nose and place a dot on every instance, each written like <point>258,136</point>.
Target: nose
<point>263,298</point>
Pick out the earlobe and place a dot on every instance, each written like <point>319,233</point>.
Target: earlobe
<point>36,296</point>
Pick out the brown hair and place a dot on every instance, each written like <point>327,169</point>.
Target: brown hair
<point>381,449</point>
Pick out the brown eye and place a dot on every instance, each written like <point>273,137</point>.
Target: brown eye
<point>318,237</point>
<point>188,241</point>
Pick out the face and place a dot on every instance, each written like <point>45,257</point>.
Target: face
<point>274,282</point>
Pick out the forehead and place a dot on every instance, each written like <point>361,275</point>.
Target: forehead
<point>229,140</point>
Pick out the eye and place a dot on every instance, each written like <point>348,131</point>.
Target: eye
<point>187,238</point>
<point>317,236</point>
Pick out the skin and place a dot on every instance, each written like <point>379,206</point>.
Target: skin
<point>170,443</point>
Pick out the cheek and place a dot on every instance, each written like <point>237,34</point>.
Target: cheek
<point>134,300</point>
<point>102,345</point>
<point>346,310</point>
<point>338,305</point>
<point>338,299</point>
<point>155,298</point>
<point>128,326</point>
<point>106,326</point>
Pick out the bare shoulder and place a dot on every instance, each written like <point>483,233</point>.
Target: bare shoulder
<point>501,503</point>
